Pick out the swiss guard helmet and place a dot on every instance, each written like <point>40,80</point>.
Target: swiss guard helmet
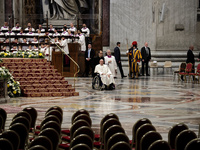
<point>134,43</point>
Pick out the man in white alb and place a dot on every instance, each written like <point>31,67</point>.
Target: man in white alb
<point>5,27</point>
<point>17,27</point>
<point>28,27</point>
<point>105,73</point>
<point>85,30</point>
<point>111,62</point>
<point>72,28</point>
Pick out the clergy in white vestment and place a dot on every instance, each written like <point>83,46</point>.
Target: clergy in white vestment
<point>17,27</point>
<point>64,44</point>
<point>111,62</point>
<point>81,41</point>
<point>105,73</point>
<point>86,30</point>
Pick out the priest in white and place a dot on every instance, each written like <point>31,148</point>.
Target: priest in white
<point>64,44</point>
<point>105,73</point>
<point>81,41</point>
<point>111,62</point>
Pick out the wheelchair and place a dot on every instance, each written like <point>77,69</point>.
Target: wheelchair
<point>98,85</point>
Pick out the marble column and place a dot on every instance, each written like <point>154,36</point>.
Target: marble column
<point>106,22</point>
<point>2,12</point>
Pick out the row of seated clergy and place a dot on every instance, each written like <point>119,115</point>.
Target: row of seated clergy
<point>51,29</point>
<point>80,40</point>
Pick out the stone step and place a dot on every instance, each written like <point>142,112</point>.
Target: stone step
<point>48,90</point>
<point>24,60</point>
<point>36,74</point>
<point>28,67</point>
<point>47,86</point>
<point>51,94</point>
<point>14,71</point>
<point>43,82</point>
<point>38,78</point>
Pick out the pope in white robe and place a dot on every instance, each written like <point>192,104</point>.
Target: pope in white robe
<point>111,62</point>
<point>105,73</point>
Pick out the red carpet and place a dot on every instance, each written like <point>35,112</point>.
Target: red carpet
<point>38,78</point>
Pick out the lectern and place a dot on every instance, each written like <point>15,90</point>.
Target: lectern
<point>71,69</point>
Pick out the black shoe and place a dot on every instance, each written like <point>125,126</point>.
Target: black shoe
<point>148,75</point>
<point>124,77</point>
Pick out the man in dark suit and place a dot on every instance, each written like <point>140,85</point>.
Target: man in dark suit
<point>190,58</point>
<point>146,57</point>
<point>98,58</point>
<point>89,59</point>
<point>117,55</point>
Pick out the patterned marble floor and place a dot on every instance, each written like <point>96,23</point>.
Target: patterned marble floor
<point>164,101</point>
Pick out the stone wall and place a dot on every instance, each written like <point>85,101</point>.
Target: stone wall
<point>141,21</point>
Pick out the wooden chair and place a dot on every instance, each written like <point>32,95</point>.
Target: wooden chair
<point>5,144</point>
<point>117,137</point>
<point>168,64</point>
<point>47,119</point>
<point>52,124</point>
<point>84,130</point>
<point>183,138</point>
<point>74,127</point>
<point>121,146</point>
<point>154,65</point>
<point>84,117</point>
<point>195,74</point>
<point>22,120</point>
<point>135,127</point>
<point>53,135</point>
<point>13,137</point>
<point>79,112</point>
<point>110,122</point>
<point>1,123</point>
<point>38,147</point>
<point>148,139</point>
<point>111,131</point>
<point>33,113</point>
<point>56,113</point>
<point>159,145</point>
<point>55,108</point>
<point>3,114</point>
<point>81,147</point>
<point>105,118</point>
<point>181,70</point>
<point>193,145</point>
<point>174,131</point>
<point>43,141</point>
<point>23,114</point>
<point>142,131</point>
<point>188,70</point>
<point>82,139</point>
<point>22,131</point>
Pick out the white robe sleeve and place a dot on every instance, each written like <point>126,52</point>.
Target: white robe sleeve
<point>115,64</point>
<point>106,60</point>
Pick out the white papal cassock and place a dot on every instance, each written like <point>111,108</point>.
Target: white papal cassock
<point>104,71</point>
<point>112,65</point>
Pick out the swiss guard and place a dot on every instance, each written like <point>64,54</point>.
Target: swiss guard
<point>134,58</point>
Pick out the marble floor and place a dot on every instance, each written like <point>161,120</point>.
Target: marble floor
<point>164,101</point>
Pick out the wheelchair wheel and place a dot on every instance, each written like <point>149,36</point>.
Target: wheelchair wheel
<point>96,83</point>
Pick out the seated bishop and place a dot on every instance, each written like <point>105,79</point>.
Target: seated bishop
<point>105,73</point>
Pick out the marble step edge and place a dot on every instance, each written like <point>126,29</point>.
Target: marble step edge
<point>52,94</point>
<point>47,86</point>
<point>48,90</point>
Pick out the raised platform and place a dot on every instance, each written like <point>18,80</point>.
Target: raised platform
<point>38,78</point>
